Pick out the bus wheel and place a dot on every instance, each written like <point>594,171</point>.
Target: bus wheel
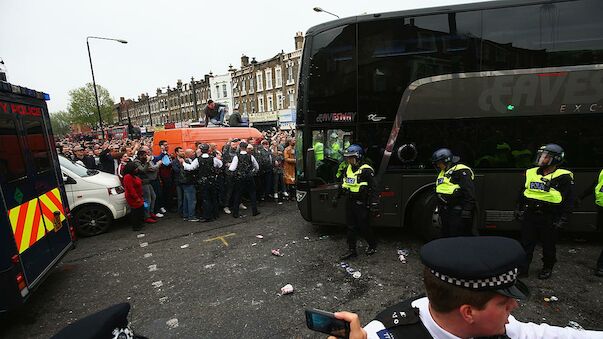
<point>92,220</point>
<point>425,218</point>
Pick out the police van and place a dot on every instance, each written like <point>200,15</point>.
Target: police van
<point>34,226</point>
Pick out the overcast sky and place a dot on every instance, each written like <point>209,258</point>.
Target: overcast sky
<point>43,43</point>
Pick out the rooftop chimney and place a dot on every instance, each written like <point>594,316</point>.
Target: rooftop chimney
<point>299,40</point>
<point>244,61</point>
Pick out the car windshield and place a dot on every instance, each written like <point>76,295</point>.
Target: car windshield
<point>76,168</point>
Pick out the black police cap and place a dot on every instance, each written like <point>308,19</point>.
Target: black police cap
<point>478,263</point>
<point>102,324</point>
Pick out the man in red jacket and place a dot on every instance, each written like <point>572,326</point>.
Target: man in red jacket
<point>134,197</point>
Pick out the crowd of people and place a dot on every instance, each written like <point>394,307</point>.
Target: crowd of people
<point>199,184</point>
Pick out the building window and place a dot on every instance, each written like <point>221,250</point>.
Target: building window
<point>270,104</point>
<point>260,84</point>
<point>261,104</point>
<point>224,92</point>
<point>251,85</point>
<point>290,75</point>
<point>268,79</point>
<point>291,100</point>
<point>279,101</point>
<point>278,77</point>
<point>217,91</point>
<point>243,86</point>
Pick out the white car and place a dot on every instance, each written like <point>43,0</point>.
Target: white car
<point>95,198</point>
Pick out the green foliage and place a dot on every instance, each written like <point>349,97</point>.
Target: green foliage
<point>61,123</point>
<point>82,106</point>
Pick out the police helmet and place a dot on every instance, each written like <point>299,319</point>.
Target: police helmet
<point>354,150</point>
<point>204,148</point>
<point>445,155</point>
<point>549,154</point>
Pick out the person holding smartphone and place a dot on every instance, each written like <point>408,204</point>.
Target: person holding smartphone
<point>472,287</point>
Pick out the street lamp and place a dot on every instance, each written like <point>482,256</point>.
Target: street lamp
<point>318,9</point>
<point>100,119</point>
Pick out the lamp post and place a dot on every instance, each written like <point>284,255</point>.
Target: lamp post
<point>318,9</point>
<point>100,119</point>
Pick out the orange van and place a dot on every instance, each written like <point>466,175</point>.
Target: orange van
<point>188,137</point>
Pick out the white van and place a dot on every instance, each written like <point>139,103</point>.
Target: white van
<point>95,198</point>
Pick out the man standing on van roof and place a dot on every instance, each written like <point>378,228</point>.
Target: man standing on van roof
<point>214,113</point>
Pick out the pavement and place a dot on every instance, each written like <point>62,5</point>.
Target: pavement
<point>219,279</point>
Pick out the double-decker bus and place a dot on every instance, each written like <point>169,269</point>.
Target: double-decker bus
<point>492,81</point>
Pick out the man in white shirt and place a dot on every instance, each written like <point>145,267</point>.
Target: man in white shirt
<point>472,288</point>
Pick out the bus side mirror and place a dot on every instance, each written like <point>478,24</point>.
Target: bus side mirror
<point>407,153</point>
<point>310,164</point>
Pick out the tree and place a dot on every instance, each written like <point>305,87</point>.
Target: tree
<point>82,106</point>
<point>60,122</point>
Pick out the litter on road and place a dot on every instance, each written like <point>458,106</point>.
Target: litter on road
<point>148,255</point>
<point>254,244</point>
<point>323,237</point>
<point>144,244</point>
<point>259,236</point>
<point>157,284</point>
<point>575,325</point>
<point>277,252</point>
<point>172,323</point>
<point>184,246</point>
<point>152,268</point>
<point>141,235</point>
<point>210,265</point>
<point>287,289</point>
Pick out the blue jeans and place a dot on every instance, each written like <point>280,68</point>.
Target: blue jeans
<point>218,120</point>
<point>189,201</point>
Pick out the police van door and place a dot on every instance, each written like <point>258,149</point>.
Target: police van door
<point>31,194</point>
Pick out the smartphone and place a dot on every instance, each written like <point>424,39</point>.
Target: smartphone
<point>325,322</point>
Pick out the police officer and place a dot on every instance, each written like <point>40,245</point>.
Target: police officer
<point>244,166</point>
<point>456,194</point>
<point>359,187</point>
<point>597,189</point>
<point>207,177</point>
<point>472,287</point>
<point>544,206</point>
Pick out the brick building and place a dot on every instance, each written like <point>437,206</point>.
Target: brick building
<point>266,91</point>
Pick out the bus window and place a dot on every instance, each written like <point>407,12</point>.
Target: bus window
<point>332,72</point>
<point>38,145</point>
<point>12,165</point>
<point>329,146</point>
<point>552,34</point>
<point>392,53</point>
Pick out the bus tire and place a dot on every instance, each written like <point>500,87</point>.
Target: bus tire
<point>92,220</point>
<point>425,219</point>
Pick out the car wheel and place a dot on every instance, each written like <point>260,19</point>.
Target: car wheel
<point>92,220</point>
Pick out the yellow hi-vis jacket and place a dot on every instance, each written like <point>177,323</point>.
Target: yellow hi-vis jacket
<point>350,181</point>
<point>599,190</point>
<point>538,187</point>
<point>443,183</point>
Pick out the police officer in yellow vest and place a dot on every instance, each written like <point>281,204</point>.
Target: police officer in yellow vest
<point>597,189</point>
<point>362,199</point>
<point>544,206</point>
<point>456,193</point>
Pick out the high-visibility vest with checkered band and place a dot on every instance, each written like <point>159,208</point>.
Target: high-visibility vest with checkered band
<point>599,190</point>
<point>443,183</point>
<point>538,186</point>
<point>350,181</point>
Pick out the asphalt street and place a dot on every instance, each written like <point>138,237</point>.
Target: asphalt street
<point>220,279</point>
